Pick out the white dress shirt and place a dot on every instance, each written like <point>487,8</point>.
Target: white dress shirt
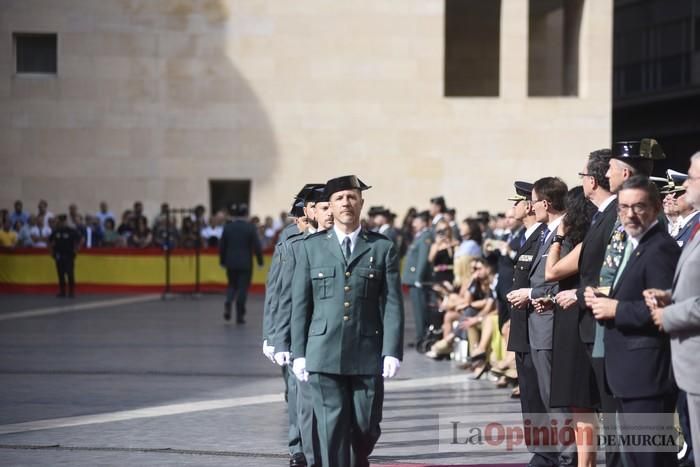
<point>353,237</point>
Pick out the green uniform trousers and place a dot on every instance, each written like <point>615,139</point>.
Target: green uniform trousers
<point>348,409</point>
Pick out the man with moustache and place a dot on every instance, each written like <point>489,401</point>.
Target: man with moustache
<point>637,354</point>
<point>347,326</point>
<point>304,419</point>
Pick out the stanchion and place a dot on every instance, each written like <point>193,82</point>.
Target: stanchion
<point>170,215</point>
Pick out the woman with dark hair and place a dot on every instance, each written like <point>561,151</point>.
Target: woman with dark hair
<point>573,381</point>
<point>442,253</point>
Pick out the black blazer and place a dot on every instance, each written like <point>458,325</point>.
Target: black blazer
<point>589,263</point>
<point>506,266</point>
<point>637,354</point>
<point>239,242</point>
<point>518,340</point>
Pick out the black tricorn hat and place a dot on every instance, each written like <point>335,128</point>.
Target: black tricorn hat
<point>425,215</point>
<point>346,182</point>
<point>439,200</point>
<point>523,191</point>
<point>319,195</point>
<point>646,148</point>
<point>297,208</point>
<point>376,210</point>
<point>306,191</point>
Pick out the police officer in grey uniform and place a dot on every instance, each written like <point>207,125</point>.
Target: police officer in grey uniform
<point>347,326</point>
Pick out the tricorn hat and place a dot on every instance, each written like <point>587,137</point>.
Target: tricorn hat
<point>306,195</point>
<point>297,208</point>
<point>646,148</point>
<point>346,182</point>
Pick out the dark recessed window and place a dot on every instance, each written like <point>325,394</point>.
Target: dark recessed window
<point>553,49</point>
<point>36,53</point>
<point>472,47</point>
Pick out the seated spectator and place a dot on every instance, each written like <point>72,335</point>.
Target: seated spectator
<point>199,217</point>
<point>189,237</point>
<point>127,227</point>
<point>40,232</point>
<point>18,214</point>
<point>470,307</point>
<point>141,237</point>
<point>470,232</point>
<point>137,213</point>
<point>165,235</point>
<point>44,213</point>
<point>269,233</point>
<point>211,234</point>
<point>110,237</point>
<point>103,214</point>
<point>8,237</point>
<point>24,232</point>
<point>164,209</point>
<point>75,219</point>
<point>92,232</point>
<point>442,252</point>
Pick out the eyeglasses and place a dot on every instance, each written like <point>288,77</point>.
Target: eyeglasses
<point>581,175</point>
<point>538,201</point>
<point>639,208</point>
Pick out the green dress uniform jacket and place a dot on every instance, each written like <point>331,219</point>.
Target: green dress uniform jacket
<point>416,266</point>
<point>272,284</point>
<point>347,315</point>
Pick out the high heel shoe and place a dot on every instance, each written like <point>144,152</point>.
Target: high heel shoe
<point>502,382</point>
<point>478,373</point>
<point>481,356</point>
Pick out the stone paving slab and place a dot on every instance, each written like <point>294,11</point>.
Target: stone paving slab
<point>153,354</point>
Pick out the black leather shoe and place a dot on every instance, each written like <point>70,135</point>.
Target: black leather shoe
<point>241,320</point>
<point>227,311</point>
<point>297,460</point>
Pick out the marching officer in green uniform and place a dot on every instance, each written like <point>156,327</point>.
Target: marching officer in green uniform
<point>303,209</point>
<point>347,326</point>
<point>416,272</point>
<point>302,422</point>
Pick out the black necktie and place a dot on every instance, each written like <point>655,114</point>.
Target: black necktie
<point>596,216</point>
<point>545,234</point>
<point>346,250</point>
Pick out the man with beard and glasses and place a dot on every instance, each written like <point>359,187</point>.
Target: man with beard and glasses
<point>637,354</point>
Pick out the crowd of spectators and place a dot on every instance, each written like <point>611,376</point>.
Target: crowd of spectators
<point>182,228</point>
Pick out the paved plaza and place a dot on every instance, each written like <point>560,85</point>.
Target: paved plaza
<point>136,380</point>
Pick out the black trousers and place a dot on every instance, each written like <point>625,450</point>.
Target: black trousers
<point>237,289</point>
<point>608,405</point>
<point>531,404</point>
<point>653,405</point>
<point>65,267</point>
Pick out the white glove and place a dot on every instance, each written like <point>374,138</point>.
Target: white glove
<point>418,285</point>
<point>269,351</point>
<point>391,366</point>
<point>282,358</point>
<point>299,369</point>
